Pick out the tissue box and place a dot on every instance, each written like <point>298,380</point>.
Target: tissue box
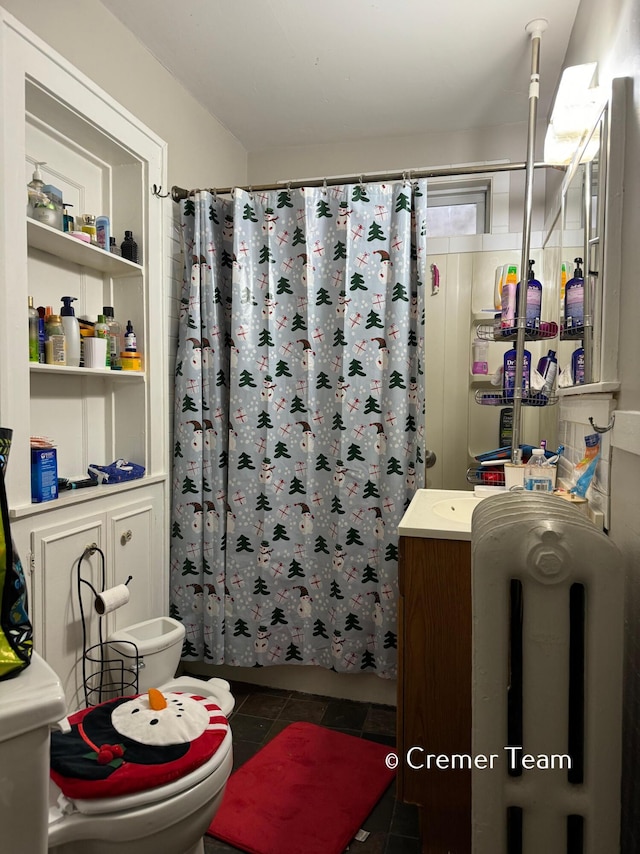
<point>44,474</point>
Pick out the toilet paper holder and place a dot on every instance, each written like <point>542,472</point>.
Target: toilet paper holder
<point>106,673</point>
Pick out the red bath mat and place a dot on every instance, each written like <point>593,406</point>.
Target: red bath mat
<point>306,792</point>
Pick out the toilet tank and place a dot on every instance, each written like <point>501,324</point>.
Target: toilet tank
<point>158,643</point>
<point>30,704</point>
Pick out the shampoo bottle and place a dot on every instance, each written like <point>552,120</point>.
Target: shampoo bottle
<point>548,368</point>
<point>509,374</point>
<point>574,300</point>
<point>497,288</point>
<point>534,299</point>
<point>71,331</point>
<point>55,343</point>
<point>508,304</point>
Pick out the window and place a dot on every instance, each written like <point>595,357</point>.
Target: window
<point>455,210</point>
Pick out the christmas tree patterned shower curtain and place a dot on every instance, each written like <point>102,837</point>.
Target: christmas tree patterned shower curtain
<point>299,422</point>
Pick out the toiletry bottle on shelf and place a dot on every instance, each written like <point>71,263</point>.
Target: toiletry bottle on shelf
<point>34,321</point>
<point>130,340</point>
<point>103,232</point>
<point>548,368</point>
<point>508,305</point>
<point>129,248</point>
<point>89,227</point>
<point>480,351</point>
<point>574,301</point>
<point>102,331</point>
<point>537,474</point>
<point>534,299</point>
<point>55,344</point>
<point>34,188</point>
<point>71,331</point>
<point>497,288</point>
<point>577,366</point>
<point>68,222</point>
<point>41,335</point>
<point>115,338</point>
<point>563,284</point>
<point>509,373</point>
<point>506,427</point>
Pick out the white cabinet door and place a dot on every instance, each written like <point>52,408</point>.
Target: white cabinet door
<point>134,549</point>
<point>59,559</point>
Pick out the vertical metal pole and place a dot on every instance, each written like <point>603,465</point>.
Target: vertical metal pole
<point>587,334</point>
<point>535,28</point>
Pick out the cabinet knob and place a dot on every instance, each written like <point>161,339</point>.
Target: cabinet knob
<point>124,539</point>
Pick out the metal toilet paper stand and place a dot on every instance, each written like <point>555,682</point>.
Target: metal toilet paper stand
<point>106,673</point>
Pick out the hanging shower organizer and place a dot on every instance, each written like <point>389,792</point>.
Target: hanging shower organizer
<point>107,672</point>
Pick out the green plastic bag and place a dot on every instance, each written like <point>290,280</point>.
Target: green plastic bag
<point>16,633</point>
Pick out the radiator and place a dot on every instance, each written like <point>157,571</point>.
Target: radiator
<point>548,598</point>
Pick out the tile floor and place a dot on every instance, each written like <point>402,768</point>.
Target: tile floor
<point>261,713</point>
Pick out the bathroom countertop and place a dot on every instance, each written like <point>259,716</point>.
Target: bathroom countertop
<point>443,514</point>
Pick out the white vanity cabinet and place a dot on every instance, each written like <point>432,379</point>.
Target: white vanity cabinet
<point>104,161</point>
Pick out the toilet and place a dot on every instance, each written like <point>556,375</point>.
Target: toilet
<point>171,817</point>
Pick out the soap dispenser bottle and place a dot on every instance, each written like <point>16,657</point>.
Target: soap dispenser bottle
<point>34,188</point>
<point>574,300</point>
<point>71,331</point>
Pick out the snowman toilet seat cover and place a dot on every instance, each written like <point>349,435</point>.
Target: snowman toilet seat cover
<point>135,743</point>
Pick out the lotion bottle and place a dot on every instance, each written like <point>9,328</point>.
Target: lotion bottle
<point>71,331</point>
<point>574,300</point>
<point>102,331</point>
<point>534,299</point>
<point>509,375</point>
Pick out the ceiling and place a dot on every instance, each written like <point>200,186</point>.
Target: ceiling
<point>300,72</point>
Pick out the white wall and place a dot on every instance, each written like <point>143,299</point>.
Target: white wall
<point>610,34</point>
<point>388,153</point>
<point>201,151</point>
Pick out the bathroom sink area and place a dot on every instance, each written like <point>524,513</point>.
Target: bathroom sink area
<point>459,509</point>
<point>440,514</point>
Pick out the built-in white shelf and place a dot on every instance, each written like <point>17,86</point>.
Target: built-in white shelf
<point>79,496</point>
<point>36,367</point>
<point>590,388</point>
<point>62,245</point>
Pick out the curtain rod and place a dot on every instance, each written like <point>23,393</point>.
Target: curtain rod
<point>178,193</point>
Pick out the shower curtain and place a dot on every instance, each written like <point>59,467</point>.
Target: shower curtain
<point>299,422</point>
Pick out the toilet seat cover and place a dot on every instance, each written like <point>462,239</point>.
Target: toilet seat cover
<point>131,744</point>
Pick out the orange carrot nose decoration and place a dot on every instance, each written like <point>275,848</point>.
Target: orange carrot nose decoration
<point>156,700</point>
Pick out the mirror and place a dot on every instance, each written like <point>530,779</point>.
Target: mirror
<point>573,250</point>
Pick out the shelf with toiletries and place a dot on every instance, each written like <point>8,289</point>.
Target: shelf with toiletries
<point>69,370</point>
<point>64,246</point>
<point>84,153</point>
<point>546,332</point>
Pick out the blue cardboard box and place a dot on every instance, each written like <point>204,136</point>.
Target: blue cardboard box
<point>44,474</point>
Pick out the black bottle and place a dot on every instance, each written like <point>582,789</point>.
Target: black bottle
<point>129,248</point>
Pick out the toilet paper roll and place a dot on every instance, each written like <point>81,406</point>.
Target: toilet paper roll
<point>112,598</point>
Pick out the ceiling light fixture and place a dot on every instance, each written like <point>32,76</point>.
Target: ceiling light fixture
<point>575,110</point>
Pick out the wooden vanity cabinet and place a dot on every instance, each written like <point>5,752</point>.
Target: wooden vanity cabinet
<point>434,686</point>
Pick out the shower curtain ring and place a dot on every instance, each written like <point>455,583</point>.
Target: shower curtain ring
<point>324,186</point>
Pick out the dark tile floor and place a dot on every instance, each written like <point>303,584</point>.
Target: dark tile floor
<point>261,713</point>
